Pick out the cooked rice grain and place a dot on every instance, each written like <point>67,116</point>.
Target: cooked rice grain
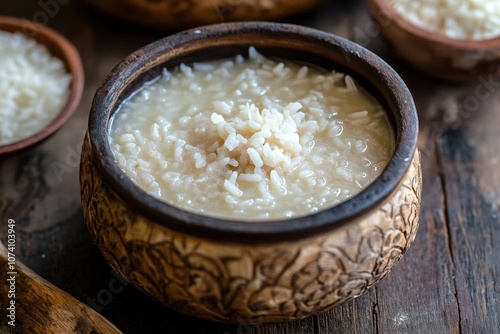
<point>232,151</point>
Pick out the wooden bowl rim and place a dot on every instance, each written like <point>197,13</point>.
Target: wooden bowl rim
<point>73,64</point>
<point>199,225</point>
<point>430,36</point>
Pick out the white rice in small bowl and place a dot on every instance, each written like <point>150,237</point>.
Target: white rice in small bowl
<point>34,87</point>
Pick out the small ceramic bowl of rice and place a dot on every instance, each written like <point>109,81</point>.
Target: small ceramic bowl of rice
<point>41,83</point>
<point>453,40</point>
<point>252,172</point>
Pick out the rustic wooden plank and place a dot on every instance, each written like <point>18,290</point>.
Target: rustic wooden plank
<point>306,326</point>
<point>469,159</point>
<point>55,311</point>
<point>356,316</point>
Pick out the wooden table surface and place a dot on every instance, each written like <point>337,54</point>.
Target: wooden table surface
<point>448,282</point>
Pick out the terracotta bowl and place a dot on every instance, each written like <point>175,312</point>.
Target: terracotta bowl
<point>437,55</point>
<point>61,48</point>
<point>237,271</point>
<point>175,15</point>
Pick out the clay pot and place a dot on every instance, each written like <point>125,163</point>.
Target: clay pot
<point>237,271</point>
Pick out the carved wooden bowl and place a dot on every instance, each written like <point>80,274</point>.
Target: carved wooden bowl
<point>174,14</point>
<point>237,271</point>
<point>434,54</point>
<point>59,47</point>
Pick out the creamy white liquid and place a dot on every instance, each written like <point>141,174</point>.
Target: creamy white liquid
<point>252,139</point>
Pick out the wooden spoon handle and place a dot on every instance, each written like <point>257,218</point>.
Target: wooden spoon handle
<point>41,307</point>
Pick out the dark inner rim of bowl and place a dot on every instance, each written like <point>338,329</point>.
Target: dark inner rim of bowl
<point>376,74</point>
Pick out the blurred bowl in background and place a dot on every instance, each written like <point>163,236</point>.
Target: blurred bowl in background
<point>176,15</point>
<point>61,48</point>
<point>433,53</point>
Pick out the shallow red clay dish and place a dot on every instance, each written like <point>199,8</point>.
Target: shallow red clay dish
<point>434,54</point>
<point>61,48</point>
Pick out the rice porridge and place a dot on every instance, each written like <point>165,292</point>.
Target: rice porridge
<point>251,139</point>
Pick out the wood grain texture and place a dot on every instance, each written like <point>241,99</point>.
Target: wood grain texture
<point>447,282</point>
<point>41,307</point>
